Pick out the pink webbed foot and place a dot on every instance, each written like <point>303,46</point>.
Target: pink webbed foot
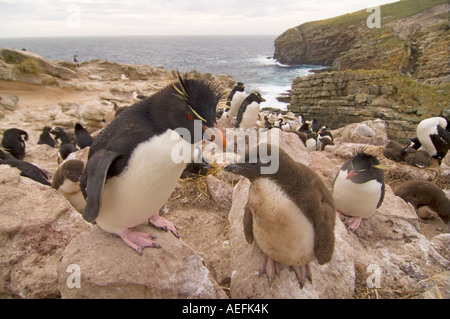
<point>354,222</point>
<point>269,267</point>
<point>303,273</point>
<point>163,223</point>
<point>341,215</point>
<point>138,241</point>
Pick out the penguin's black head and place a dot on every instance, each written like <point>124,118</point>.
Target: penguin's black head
<point>255,97</point>
<point>46,129</point>
<point>240,87</point>
<point>324,129</point>
<point>78,127</point>
<point>57,131</point>
<point>414,143</point>
<point>73,169</point>
<point>66,149</point>
<point>311,134</point>
<point>194,103</point>
<point>364,167</point>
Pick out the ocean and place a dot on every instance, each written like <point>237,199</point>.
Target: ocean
<point>247,59</point>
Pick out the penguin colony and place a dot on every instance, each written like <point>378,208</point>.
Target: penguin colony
<point>290,215</point>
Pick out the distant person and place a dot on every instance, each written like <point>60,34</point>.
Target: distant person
<point>76,61</point>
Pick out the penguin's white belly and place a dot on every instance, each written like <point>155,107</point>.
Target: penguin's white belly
<point>280,228</point>
<point>224,115</point>
<point>424,130</point>
<point>353,199</point>
<point>250,115</point>
<point>311,145</point>
<point>132,197</point>
<point>235,103</point>
<point>72,192</point>
<point>69,187</point>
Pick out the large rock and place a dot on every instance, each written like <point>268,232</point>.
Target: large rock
<point>36,223</point>
<point>307,44</point>
<point>91,116</point>
<point>31,64</point>
<point>8,103</point>
<point>368,132</point>
<point>220,191</point>
<point>392,242</point>
<point>338,98</point>
<point>110,269</point>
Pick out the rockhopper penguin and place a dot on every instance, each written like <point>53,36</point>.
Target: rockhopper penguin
<point>67,181</point>
<point>131,170</point>
<point>249,111</point>
<point>64,151</point>
<point>82,138</point>
<point>426,197</point>
<point>46,138</point>
<point>358,187</point>
<point>324,138</point>
<point>28,170</point>
<point>235,99</point>
<point>61,135</point>
<point>434,136</point>
<point>289,214</point>
<point>14,143</point>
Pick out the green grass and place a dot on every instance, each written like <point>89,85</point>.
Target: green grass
<point>11,58</point>
<point>389,12</point>
<point>27,66</point>
<point>429,99</point>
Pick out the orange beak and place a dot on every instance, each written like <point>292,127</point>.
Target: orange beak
<point>351,174</point>
<point>216,135</point>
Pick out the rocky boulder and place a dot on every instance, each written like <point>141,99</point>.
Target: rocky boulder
<point>36,223</point>
<point>371,132</point>
<point>8,103</point>
<point>30,67</point>
<point>339,98</point>
<point>108,268</point>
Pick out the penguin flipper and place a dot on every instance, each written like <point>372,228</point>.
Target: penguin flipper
<point>240,114</point>
<point>441,141</point>
<point>383,188</point>
<point>96,170</point>
<point>248,224</point>
<point>324,237</point>
<point>24,133</point>
<point>35,173</point>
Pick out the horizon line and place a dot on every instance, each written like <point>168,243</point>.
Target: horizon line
<point>138,35</point>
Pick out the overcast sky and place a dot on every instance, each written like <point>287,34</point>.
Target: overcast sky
<point>31,18</point>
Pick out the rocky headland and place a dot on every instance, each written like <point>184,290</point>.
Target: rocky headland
<point>44,241</point>
<point>399,72</point>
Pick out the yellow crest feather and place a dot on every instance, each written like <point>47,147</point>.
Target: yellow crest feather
<point>182,93</point>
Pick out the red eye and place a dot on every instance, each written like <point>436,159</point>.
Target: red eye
<point>190,116</point>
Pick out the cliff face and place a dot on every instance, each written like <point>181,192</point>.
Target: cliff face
<point>309,45</point>
<point>399,72</point>
<point>341,97</point>
<point>414,38</point>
